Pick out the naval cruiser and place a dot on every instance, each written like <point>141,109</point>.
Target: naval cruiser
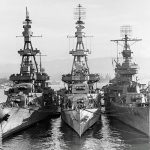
<point>81,104</point>
<point>26,103</point>
<point>126,99</point>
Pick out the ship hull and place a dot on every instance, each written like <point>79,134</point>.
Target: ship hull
<point>136,117</point>
<point>21,118</point>
<point>23,114</point>
<point>80,120</point>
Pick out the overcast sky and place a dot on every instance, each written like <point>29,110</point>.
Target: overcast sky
<point>54,20</point>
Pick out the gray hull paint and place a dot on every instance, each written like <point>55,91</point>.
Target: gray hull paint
<point>80,120</point>
<point>20,119</point>
<point>136,117</point>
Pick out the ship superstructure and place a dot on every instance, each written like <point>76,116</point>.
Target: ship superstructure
<point>80,107</point>
<point>126,71</point>
<point>125,97</point>
<point>26,103</point>
<point>30,72</point>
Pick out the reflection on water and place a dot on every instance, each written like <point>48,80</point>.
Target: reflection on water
<point>53,134</point>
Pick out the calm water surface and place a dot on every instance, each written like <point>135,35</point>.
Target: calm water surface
<point>53,134</point>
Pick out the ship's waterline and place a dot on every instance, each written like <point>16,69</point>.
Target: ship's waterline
<point>29,99</point>
<point>81,101</point>
<point>107,133</point>
<point>125,97</point>
<point>138,118</point>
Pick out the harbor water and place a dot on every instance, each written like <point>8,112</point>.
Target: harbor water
<point>53,134</point>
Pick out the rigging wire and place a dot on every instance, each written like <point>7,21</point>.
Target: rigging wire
<point>69,43</point>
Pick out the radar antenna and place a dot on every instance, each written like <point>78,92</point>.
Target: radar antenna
<point>125,32</point>
<point>29,71</point>
<point>80,70</point>
<point>79,14</point>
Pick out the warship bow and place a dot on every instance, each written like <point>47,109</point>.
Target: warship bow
<point>81,103</point>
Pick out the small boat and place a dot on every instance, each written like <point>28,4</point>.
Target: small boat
<point>81,101</point>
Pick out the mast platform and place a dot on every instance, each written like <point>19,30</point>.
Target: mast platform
<point>80,52</point>
<point>91,78</point>
<point>28,52</point>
